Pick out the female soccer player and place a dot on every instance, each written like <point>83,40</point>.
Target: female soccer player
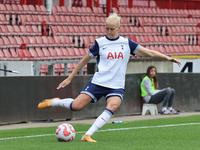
<point>150,95</point>
<point>112,54</point>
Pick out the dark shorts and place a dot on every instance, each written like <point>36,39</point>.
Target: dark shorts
<point>96,92</point>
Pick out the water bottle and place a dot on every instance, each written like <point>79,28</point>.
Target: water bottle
<point>117,122</point>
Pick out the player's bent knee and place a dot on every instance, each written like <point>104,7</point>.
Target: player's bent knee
<point>112,108</point>
<point>76,107</point>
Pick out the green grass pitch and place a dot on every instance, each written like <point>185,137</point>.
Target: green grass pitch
<point>179,133</point>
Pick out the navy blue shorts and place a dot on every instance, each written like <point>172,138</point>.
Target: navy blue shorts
<point>96,92</point>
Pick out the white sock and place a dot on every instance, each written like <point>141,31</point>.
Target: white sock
<point>169,108</point>
<point>164,108</point>
<point>100,121</point>
<point>62,103</point>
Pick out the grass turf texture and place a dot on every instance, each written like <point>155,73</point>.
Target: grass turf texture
<point>170,137</point>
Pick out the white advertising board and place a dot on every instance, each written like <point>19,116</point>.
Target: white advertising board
<point>187,65</point>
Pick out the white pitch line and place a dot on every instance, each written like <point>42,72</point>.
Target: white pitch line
<point>118,129</point>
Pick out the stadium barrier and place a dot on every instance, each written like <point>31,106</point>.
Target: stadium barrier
<point>21,95</point>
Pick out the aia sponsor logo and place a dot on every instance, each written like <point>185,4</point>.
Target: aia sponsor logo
<point>115,55</point>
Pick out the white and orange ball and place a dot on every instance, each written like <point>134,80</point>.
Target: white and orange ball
<point>65,133</point>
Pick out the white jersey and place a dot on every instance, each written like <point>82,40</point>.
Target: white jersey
<point>112,59</point>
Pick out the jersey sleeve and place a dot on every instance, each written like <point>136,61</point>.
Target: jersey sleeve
<point>94,50</point>
<point>133,46</point>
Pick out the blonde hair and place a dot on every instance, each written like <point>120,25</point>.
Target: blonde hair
<point>114,17</point>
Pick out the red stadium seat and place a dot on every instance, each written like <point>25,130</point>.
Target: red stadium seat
<point>3,9</point>
<point>21,9</point>
<point>53,30</point>
<point>3,20</point>
<point>69,11</point>
<point>64,10</point>
<point>60,53</point>
<point>57,41</point>
<point>38,9</point>
<point>17,30</point>
<point>54,10</point>
<point>32,41</point>
<point>127,30</point>
<point>54,53</point>
<point>23,20</point>
<point>59,10</point>
<point>68,20</point>
<point>84,11</point>
<point>6,42</point>
<point>41,54</point>
<point>169,50</point>
<point>86,41</point>
<point>66,53</point>
<point>71,53</point>
<point>26,41</point>
<point>69,41</point>
<point>44,10</point>
<point>23,30</point>
<point>40,18</point>
<point>63,41</point>
<point>80,11</point>
<point>19,41</point>
<point>32,9</point>
<point>114,10</point>
<point>52,20</point>
<point>36,20</point>
<point>98,11</point>
<point>46,41</point>
<point>14,54</point>
<point>13,42</point>
<point>34,54</point>
<point>52,41</point>
<point>59,21</point>
<point>11,31</point>
<point>27,9</point>
<point>16,9</point>
<point>77,53</point>
<point>71,30</point>
<point>58,69</point>
<point>98,30</point>
<point>29,30</point>
<point>43,70</point>
<point>75,11</point>
<point>36,31</point>
<point>60,31</point>
<point>47,20</point>
<point>82,52</point>
<point>124,21</point>
<point>7,54</point>
<point>24,54</point>
<point>40,41</point>
<point>92,30</point>
<point>47,54</point>
<point>132,37</point>
<point>147,40</point>
<point>2,56</point>
<point>89,11</point>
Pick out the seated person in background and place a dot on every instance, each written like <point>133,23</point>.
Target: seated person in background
<point>151,95</point>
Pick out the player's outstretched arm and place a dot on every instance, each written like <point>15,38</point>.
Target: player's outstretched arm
<point>152,53</point>
<point>80,65</point>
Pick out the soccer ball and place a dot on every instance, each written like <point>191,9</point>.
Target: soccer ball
<point>65,133</point>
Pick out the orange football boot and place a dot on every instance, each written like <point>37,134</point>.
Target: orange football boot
<point>46,103</point>
<point>87,138</point>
